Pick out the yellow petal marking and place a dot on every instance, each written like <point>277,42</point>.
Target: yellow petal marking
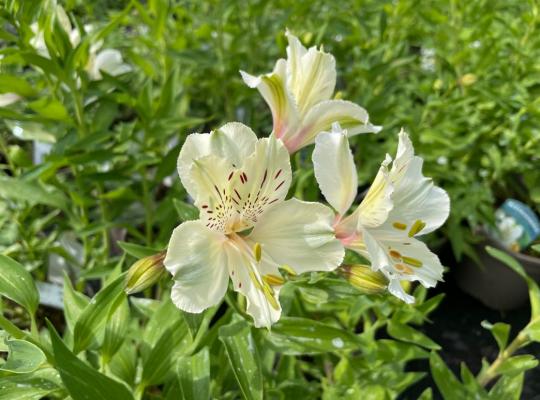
<point>417,227</point>
<point>399,225</point>
<point>413,262</point>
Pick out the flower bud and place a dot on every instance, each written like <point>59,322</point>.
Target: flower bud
<point>364,278</point>
<point>145,273</point>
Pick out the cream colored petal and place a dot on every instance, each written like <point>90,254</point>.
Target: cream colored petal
<point>198,263</point>
<point>262,180</point>
<point>402,259</point>
<point>420,207</point>
<point>321,116</point>
<point>233,142</point>
<point>248,275</point>
<point>335,170</point>
<point>273,89</point>
<point>377,204</point>
<point>300,235</point>
<point>311,74</point>
<point>109,61</point>
<point>210,176</point>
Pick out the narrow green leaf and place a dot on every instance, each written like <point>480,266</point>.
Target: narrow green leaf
<point>194,376</point>
<point>136,250</point>
<point>407,334</point>
<point>82,381</point>
<point>517,364</point>
<point>164,354</point>
<point>32,386</point>
<point>13,84</point>
<point>448,385</point>
<point>244,358</point>
<point>95,315</point>
<point>116,330</point>
<point>74,303</point>
<point>24,357</point>
<point>507,388</point>
<point>296,336</point>
<point>186,212</point>
<point>17,284</point>
<point>50,109</point>
<point>32,192</point>
<point>500,332</point>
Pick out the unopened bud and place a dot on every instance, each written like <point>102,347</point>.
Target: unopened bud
<point>467,79</point>
<point>145,273</point>
<point>364,278</point>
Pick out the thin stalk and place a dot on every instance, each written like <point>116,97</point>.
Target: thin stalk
<point>492,371</point>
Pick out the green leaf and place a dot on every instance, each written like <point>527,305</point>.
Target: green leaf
<point>164,354</point>
<point>449,386</point>
<point>82,381</point>
<point>136,250</point>
<point>13,84</point>
<point>194,376</point>
<point>24,357</point>
<point>96,313</point>
<point>295,336</point>
<point>50,109</point>
<point>244,358</point>
<point>32,386</point>
<point>517,364</point>
<point>426,395</point>
<point>17,284</point>
<point>74,303</point>
<point>31,191</point>
<point>500,332</point>
<point>407,334</point>
<point>507,388</point>
<point>116,330</point>
<point>186,212</point>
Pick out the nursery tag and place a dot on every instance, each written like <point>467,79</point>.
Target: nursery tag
<point>524,221</point>
<point>51,295</point>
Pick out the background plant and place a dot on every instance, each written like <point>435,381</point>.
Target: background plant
<point>461,77</point>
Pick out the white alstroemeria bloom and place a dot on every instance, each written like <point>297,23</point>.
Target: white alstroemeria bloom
<point>299,92</point>
<point>246,229</point>
<point>107,60</point>
<point>400,205</point>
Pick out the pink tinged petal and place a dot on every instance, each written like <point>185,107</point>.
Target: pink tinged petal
<point>335,170</point>
<point>272,88</point>
<point>197,260</point>
<point>300,235</point>
<point>321,116</point>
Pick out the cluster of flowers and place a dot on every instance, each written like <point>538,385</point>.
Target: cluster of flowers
<point>249,233</point>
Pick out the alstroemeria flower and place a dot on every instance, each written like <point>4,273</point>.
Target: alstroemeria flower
<point>246,229</point>
<point>400,205</point>
<point>298,93</point>
<point>107,60</point>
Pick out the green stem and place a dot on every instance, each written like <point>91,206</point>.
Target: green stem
<point>492,371</point>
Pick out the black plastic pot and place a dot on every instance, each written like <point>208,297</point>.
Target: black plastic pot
<point>492,282</point>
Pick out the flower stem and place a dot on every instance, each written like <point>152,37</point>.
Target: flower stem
<point>492,371</point>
